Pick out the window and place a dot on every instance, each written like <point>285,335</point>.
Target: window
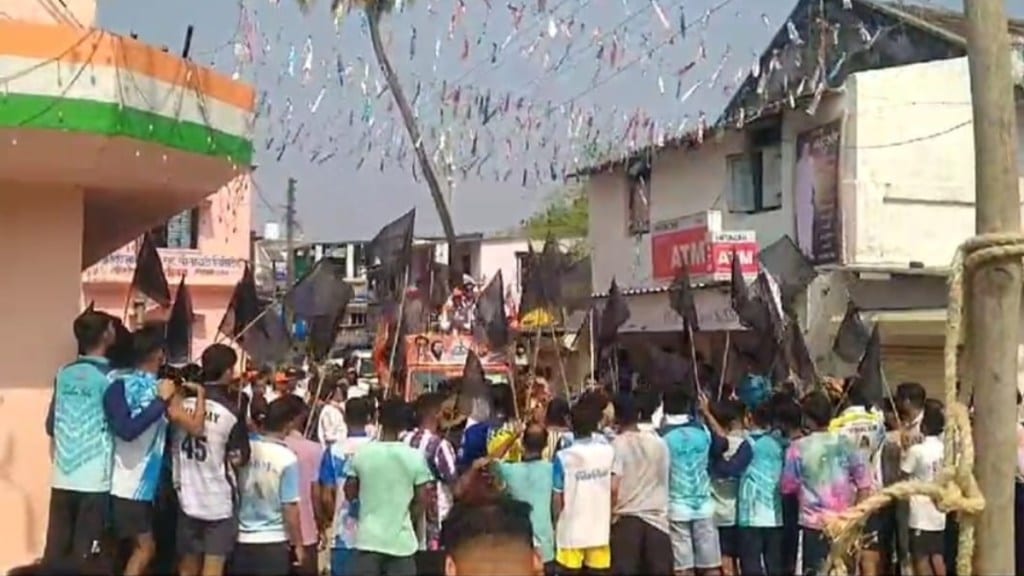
<point>181,231</point>
<point>638,209</point>
<point>467,263</point>
<point>358,255</point>
<point>755,177</point>
<point>357,319</point>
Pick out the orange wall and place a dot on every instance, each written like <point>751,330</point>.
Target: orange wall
<point>41,247</point>
<point>76,13</point>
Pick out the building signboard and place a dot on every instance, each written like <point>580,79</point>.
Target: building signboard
<point>699,242</point>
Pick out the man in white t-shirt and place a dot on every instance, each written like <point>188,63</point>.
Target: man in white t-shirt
<point>582,502</point>
<point>923,462</point>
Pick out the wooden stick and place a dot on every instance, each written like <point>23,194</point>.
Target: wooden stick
<point>316,397</point>
<point>398,333</point>
<point>593,353</point>
<point>561,364</point>
<point>693,358</point>
<point>725,363</point>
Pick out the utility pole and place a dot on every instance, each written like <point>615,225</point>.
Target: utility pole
<point>289,231</point>
<point>995,290</point>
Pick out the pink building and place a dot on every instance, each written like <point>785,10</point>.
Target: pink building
<point>208,244</point>
<point>102,137</point>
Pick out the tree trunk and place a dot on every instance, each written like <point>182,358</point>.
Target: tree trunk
<point>373,15</point>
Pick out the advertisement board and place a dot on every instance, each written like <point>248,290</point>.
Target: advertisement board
<point>699,242</point>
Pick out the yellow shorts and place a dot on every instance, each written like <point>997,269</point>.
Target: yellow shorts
<point>597,558</point>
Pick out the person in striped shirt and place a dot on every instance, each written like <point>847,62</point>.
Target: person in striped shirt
<point>440,455</point>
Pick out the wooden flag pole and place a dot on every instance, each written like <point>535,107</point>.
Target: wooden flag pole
<point>693,357</point>
<point>725,364</point>
<point>593,358</point>
<point>398,333</point>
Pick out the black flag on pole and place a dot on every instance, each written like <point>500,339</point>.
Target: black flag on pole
<point>615,314</point>
<point>149,277</point>
<point>179,327</point>
<point>243,308</point>
<point>491,324</point>
<point>870,369</point>
<point>389,254</point>
<point>268,343</point>
<point>853,335</point>
<point>681,298</point>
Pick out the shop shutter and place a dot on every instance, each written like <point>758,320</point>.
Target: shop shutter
<point>914,364</point>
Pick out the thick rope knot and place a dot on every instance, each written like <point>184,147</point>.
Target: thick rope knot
<point>956,488</point>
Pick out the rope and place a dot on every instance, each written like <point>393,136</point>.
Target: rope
<point>956,488</point>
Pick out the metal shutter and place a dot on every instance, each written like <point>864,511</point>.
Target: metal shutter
<point>914,364</point>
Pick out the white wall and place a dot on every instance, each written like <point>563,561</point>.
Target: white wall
<point>687,181</point>
<point>910,147</point>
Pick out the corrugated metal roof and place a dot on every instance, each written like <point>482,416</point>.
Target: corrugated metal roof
<point>644,290</point>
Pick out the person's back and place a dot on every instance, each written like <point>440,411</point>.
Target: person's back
<point>388,472</point>
<point>268,515</point>
<point>82,446</point>
<point>309,454</point>
<point>643,460</point>
<point>689,446</point>
<point>388,477</point>
<point>640,540</point>
<point>345,518</point>
<point>204,468</point>
<point>582,475</point>
<point>530,481</point>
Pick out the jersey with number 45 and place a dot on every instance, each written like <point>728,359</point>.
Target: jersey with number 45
<point>203,475</point>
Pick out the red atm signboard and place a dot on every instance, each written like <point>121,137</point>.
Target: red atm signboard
<point>699,242</point>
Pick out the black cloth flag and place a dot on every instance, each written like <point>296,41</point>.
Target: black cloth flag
<point>870,369</point>
<point>389,255</point>
<point>576,288</point>
<point>179,327</point>
<point>680,297</point>
<point>474,390</point>
<point>320,300</point>
<point>268,343</point>
<point>788,265</point>
<point>491,325</point>
<point>615,314</point>
<point>243,308</point>
<point>149,277</point>
<point>853,335</point>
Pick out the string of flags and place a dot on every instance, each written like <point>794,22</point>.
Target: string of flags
<point>477,124</point>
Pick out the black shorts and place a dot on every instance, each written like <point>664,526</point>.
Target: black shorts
<point>728,541</point>
<point>640,548</point>
<point>206,537</point>
<point>925,543</point>
<point>880,531</point>
<point>131,518</point>
<point>77,525</point>
<point>310,563</point>
<point>261,560</point>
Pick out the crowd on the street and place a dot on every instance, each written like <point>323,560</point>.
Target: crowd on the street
<point>200,471</point>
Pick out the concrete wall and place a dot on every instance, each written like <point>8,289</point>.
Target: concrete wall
<point>41,247</point>
<point>686,182</point>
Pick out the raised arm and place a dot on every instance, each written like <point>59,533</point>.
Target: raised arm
<point>119,415</point>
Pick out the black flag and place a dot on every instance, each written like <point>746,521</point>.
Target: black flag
<point>474,390</point>
<point>320,299</point>
<point>243,308</point>
<point>491,323</point>
<point>852,336</point>
<point>179,327</point>
<point>681,298</point>
<point>739,292</point>
<point>799,356</point>
<point>788,265</point>
<point>389,254</point>
<point>576,287</point>
<point>615,314</point>
<point>149,277</point>
<point>268,343</point>
<point>870,369</point>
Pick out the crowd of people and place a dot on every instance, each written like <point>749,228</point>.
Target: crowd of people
<point>198,472</point>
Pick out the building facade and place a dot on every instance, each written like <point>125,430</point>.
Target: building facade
<point>103,137</point>
<point>871,176</point>
<point>208,245</point>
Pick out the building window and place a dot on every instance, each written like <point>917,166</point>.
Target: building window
<point>180,232</point>
<point>358,255</point>
<point>357,319</point>
<point>755,177</point>
<point>638,208</point>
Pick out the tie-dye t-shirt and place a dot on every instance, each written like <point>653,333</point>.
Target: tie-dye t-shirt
<point>825,470</point>
<point>759,504</point>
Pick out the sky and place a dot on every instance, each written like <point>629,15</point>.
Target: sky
<point>560,82</point>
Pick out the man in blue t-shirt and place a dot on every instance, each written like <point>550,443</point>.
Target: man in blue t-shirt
<point>692,447</point>
<point>82,447</point>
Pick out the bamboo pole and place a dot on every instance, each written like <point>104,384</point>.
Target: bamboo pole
<point>398,333</point>
<point>994,311</point>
